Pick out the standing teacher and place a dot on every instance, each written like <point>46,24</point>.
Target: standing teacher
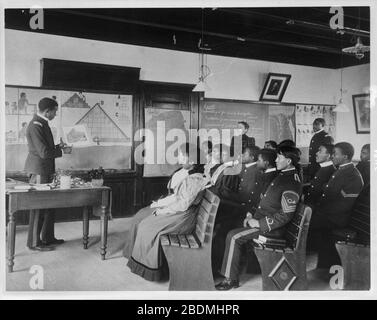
<point>40,165</point>
<point>246,140</point>
<point>320,138</point>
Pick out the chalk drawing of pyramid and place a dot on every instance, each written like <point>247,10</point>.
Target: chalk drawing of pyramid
<point>102,126</point>
<point>76,101</point>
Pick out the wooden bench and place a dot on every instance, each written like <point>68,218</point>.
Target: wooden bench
<point>285,269</point>
<point>189,255</point>
<point>353,245</point>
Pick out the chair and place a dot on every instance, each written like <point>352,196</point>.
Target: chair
<point>189,255</point>
<point>353,245</point>
<point>285,269</point>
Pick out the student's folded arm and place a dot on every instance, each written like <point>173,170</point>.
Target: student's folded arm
<point>289,201</point>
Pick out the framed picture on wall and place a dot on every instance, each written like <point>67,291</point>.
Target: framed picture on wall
<point>274,87</point>
<point>361,108</point>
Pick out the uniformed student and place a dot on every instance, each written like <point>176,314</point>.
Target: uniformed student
<point>267,165</point>
<point>40,164</point>
<point>235,204</point>
<point>270,144</point>
<point>275,210</point>
<point>322,176</point>
<point>319,138</point>
<point>334,206</point>
<point>247,176</point>
<point>364,165</point>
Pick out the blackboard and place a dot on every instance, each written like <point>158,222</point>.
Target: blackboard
<point>225,114</point>
<point>108,118</point>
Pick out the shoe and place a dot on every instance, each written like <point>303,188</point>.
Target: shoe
<point>54,241</point>
<point>227,284</point>
<point>41,248</point>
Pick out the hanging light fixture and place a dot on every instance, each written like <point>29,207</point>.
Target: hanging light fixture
<point>341,106</point>
<point>204,70</point>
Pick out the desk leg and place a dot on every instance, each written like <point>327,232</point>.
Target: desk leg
<point>104,219</point>
<point>11,241</point>
<point>85,228</point>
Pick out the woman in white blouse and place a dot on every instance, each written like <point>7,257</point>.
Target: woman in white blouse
<point>173,214</point>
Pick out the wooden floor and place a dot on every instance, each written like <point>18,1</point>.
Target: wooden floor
<point>71,268</point>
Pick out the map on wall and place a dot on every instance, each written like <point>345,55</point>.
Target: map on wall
<point>104,120</point>
<point>161,121</point>
<point>282,123</point>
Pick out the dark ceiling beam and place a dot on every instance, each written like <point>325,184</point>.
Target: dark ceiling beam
<point>355,32</point>
<point>306,24</point>
<point>200,32</point>
<point>346,15</point>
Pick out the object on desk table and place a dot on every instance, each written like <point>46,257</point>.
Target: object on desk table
<point>96,176</point>
<point>23,187</point>
<point>97,182</point>
<point>42,186</point>
<point>67,150</point>
<point>65,182</point>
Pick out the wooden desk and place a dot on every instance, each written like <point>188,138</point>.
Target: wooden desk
<point>98,198</point>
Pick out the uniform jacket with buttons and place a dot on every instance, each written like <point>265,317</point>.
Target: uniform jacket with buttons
<point>317,140</point>
<point>247,183</point>
<point>264,179</point>
<point>364,169</point>
<point>42,150</point>
<point>318,183</point>
<point>278,204</point>
<point>340,194</point>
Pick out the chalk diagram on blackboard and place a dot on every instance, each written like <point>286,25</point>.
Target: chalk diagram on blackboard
<point>102,128</point>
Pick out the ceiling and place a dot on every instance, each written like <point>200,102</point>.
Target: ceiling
<point>297,35</point>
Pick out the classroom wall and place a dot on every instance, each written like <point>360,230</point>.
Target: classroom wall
<point>356,80</point>
<point>231,78</point>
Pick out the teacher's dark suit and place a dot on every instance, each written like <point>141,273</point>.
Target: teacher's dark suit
<point>40,164</point>
<point>246,142</point>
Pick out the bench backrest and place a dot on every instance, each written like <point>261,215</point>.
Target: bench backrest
<point>360,217</point>
<point>206,215</point>
<point>297,229</point>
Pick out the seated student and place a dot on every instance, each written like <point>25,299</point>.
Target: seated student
<point>237,203</point>
<point>317,184</point>
<point>267,165</point>
<point>206,147</point>
<point>247,177</point>
<point>275,210</point>
<point>364,165</point>
<point>223,181</point>
<point>171,214</point>
<point>287,143</point>
<point>270,144</point>
<point>334,206</point>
